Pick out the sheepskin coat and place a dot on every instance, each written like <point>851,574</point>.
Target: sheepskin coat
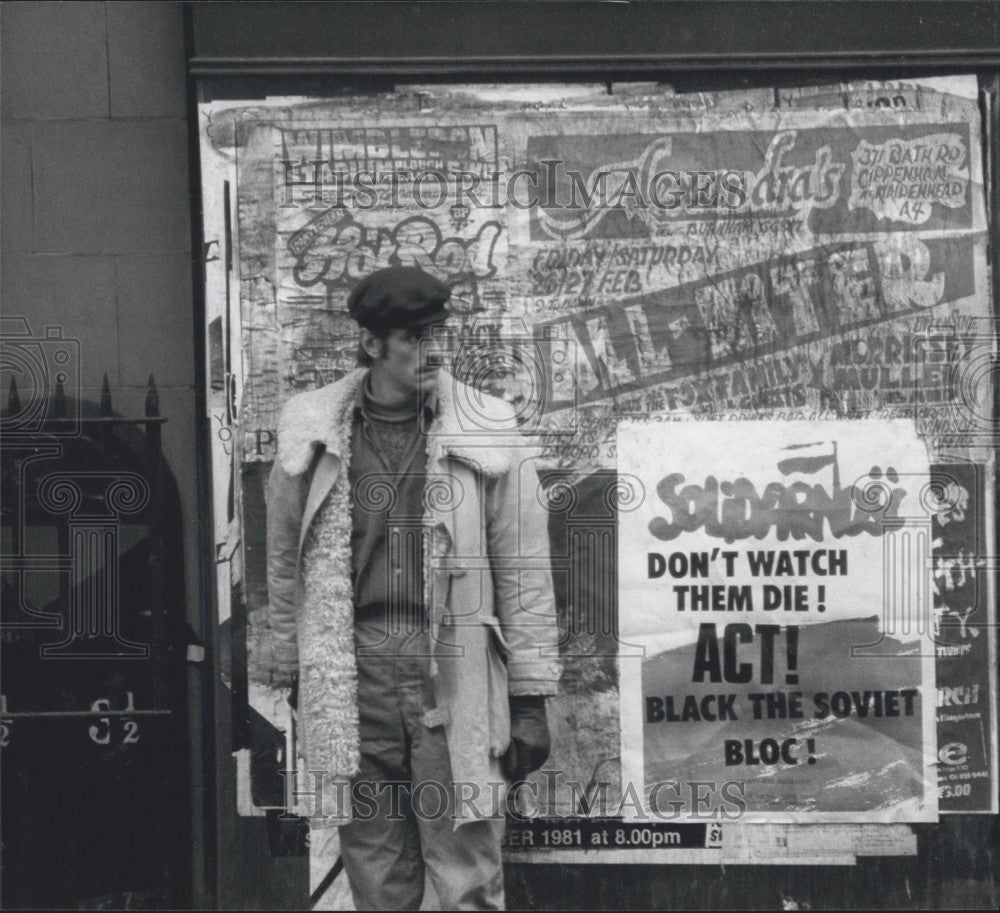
<point>487,577</point>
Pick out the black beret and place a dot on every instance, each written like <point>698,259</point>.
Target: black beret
<point>398,297</point>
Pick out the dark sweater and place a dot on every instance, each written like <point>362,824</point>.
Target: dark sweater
<point>387,473</point>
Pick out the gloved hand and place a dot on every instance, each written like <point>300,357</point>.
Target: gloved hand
<point>529,737</point>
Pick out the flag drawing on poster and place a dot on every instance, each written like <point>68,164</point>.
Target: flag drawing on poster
<point>775,617</point>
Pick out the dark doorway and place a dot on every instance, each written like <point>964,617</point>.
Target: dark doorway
<point>95,754</point>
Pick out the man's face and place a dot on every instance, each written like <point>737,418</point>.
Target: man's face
<point>411,358</point>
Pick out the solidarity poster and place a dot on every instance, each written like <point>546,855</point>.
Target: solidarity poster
<point>774,632</point>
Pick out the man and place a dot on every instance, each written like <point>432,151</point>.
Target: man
<point>411,600</point>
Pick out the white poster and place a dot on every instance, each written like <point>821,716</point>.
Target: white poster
<point>775,619</point>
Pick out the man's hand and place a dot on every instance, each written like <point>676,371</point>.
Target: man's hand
<point>529,737</point>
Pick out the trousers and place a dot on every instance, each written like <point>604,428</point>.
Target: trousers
<point>403,794</point>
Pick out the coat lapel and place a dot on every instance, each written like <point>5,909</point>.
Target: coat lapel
<point>324,478</point>
<point>467,426</point>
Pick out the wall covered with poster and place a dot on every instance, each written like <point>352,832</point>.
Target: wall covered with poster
<point>744,332</point>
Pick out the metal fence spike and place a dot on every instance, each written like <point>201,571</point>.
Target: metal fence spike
<point>105,398</point>
<point>152,399</point>
<point>13,400</point>
<point>59,401</point>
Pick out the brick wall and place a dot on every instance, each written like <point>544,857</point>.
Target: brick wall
<point>95,239</point>
<point>95,215</point>
<point>95,231</point>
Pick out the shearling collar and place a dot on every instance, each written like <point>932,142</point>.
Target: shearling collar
<point>474,427</point>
